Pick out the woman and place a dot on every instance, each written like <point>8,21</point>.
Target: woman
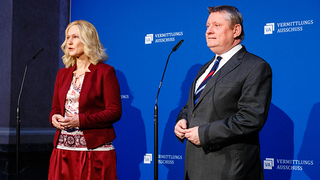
<point>86,103</point>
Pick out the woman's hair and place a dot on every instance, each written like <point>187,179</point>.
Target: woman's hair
<point>90,39</point>
<point>233,16</point>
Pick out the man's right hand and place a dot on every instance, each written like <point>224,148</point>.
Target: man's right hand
<point>180,128</point>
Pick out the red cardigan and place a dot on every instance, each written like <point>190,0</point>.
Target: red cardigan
<point>99,103</point>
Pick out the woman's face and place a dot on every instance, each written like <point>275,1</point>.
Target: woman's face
<point>74,45</point>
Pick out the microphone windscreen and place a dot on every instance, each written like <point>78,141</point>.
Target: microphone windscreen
<point>177,45</point>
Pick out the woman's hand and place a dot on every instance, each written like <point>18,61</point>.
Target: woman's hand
<point>56,121</point>
<point>71,121</point>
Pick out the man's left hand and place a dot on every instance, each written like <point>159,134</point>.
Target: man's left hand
<point>192,135</point>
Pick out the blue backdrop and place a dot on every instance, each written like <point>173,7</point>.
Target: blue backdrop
<point>139,35</point>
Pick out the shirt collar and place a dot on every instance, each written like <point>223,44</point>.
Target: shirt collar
<point>227,55</point>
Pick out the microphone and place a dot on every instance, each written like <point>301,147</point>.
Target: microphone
<point>177,45</point>
<point>156,115</point>
<point>173,49</point>
<point>18,113</point>
<point>25,71</point>
<point>38,53</point>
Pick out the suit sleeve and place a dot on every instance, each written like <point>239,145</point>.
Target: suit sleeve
<point>183,114</point>
<point>252,110</point>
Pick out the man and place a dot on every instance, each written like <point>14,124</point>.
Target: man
<point>222,124</point>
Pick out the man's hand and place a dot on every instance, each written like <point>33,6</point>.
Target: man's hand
<point>180,128</point>
<point>192,135</point>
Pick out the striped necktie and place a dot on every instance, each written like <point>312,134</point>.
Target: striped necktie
<point>206,79</point>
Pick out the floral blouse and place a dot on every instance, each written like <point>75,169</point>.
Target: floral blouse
<point>73,139</point>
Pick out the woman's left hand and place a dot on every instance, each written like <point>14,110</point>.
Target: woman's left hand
<point>71,121</point>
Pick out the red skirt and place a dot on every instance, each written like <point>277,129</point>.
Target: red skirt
<point>82,165</point>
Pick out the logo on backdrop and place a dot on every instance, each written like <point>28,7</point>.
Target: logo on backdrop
<point>285,27</point>
<point>268,163</point>
<point>169,159</point>
<point>269,28</point>
<point>162,37</point>
<point>147,158</point>
<point>148,39</point>
<point>162,159</point>
<point>124,96</point>
<point>286,164</point>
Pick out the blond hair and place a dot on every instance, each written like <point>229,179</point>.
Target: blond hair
<point>90,39</point>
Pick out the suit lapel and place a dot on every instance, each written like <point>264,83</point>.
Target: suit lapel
<point>201,71</point>
<point>232,64</point>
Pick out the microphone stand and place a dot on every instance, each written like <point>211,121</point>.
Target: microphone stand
<point>18,115</point>
<point>156,115</point>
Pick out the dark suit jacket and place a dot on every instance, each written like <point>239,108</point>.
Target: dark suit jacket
<point>230,112</point>
<point>99,103</point>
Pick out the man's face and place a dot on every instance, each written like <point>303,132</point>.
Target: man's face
<point>219,35</point>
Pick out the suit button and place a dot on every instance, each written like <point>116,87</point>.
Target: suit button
<point>193,115</point>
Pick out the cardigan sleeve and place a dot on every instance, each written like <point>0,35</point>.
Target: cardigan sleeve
<point>55,102</point>
<point>101,109</point>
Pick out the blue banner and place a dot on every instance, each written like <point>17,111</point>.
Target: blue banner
<point>138,37</point>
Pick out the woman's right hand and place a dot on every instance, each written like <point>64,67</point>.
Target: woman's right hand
<point>55,121</point>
